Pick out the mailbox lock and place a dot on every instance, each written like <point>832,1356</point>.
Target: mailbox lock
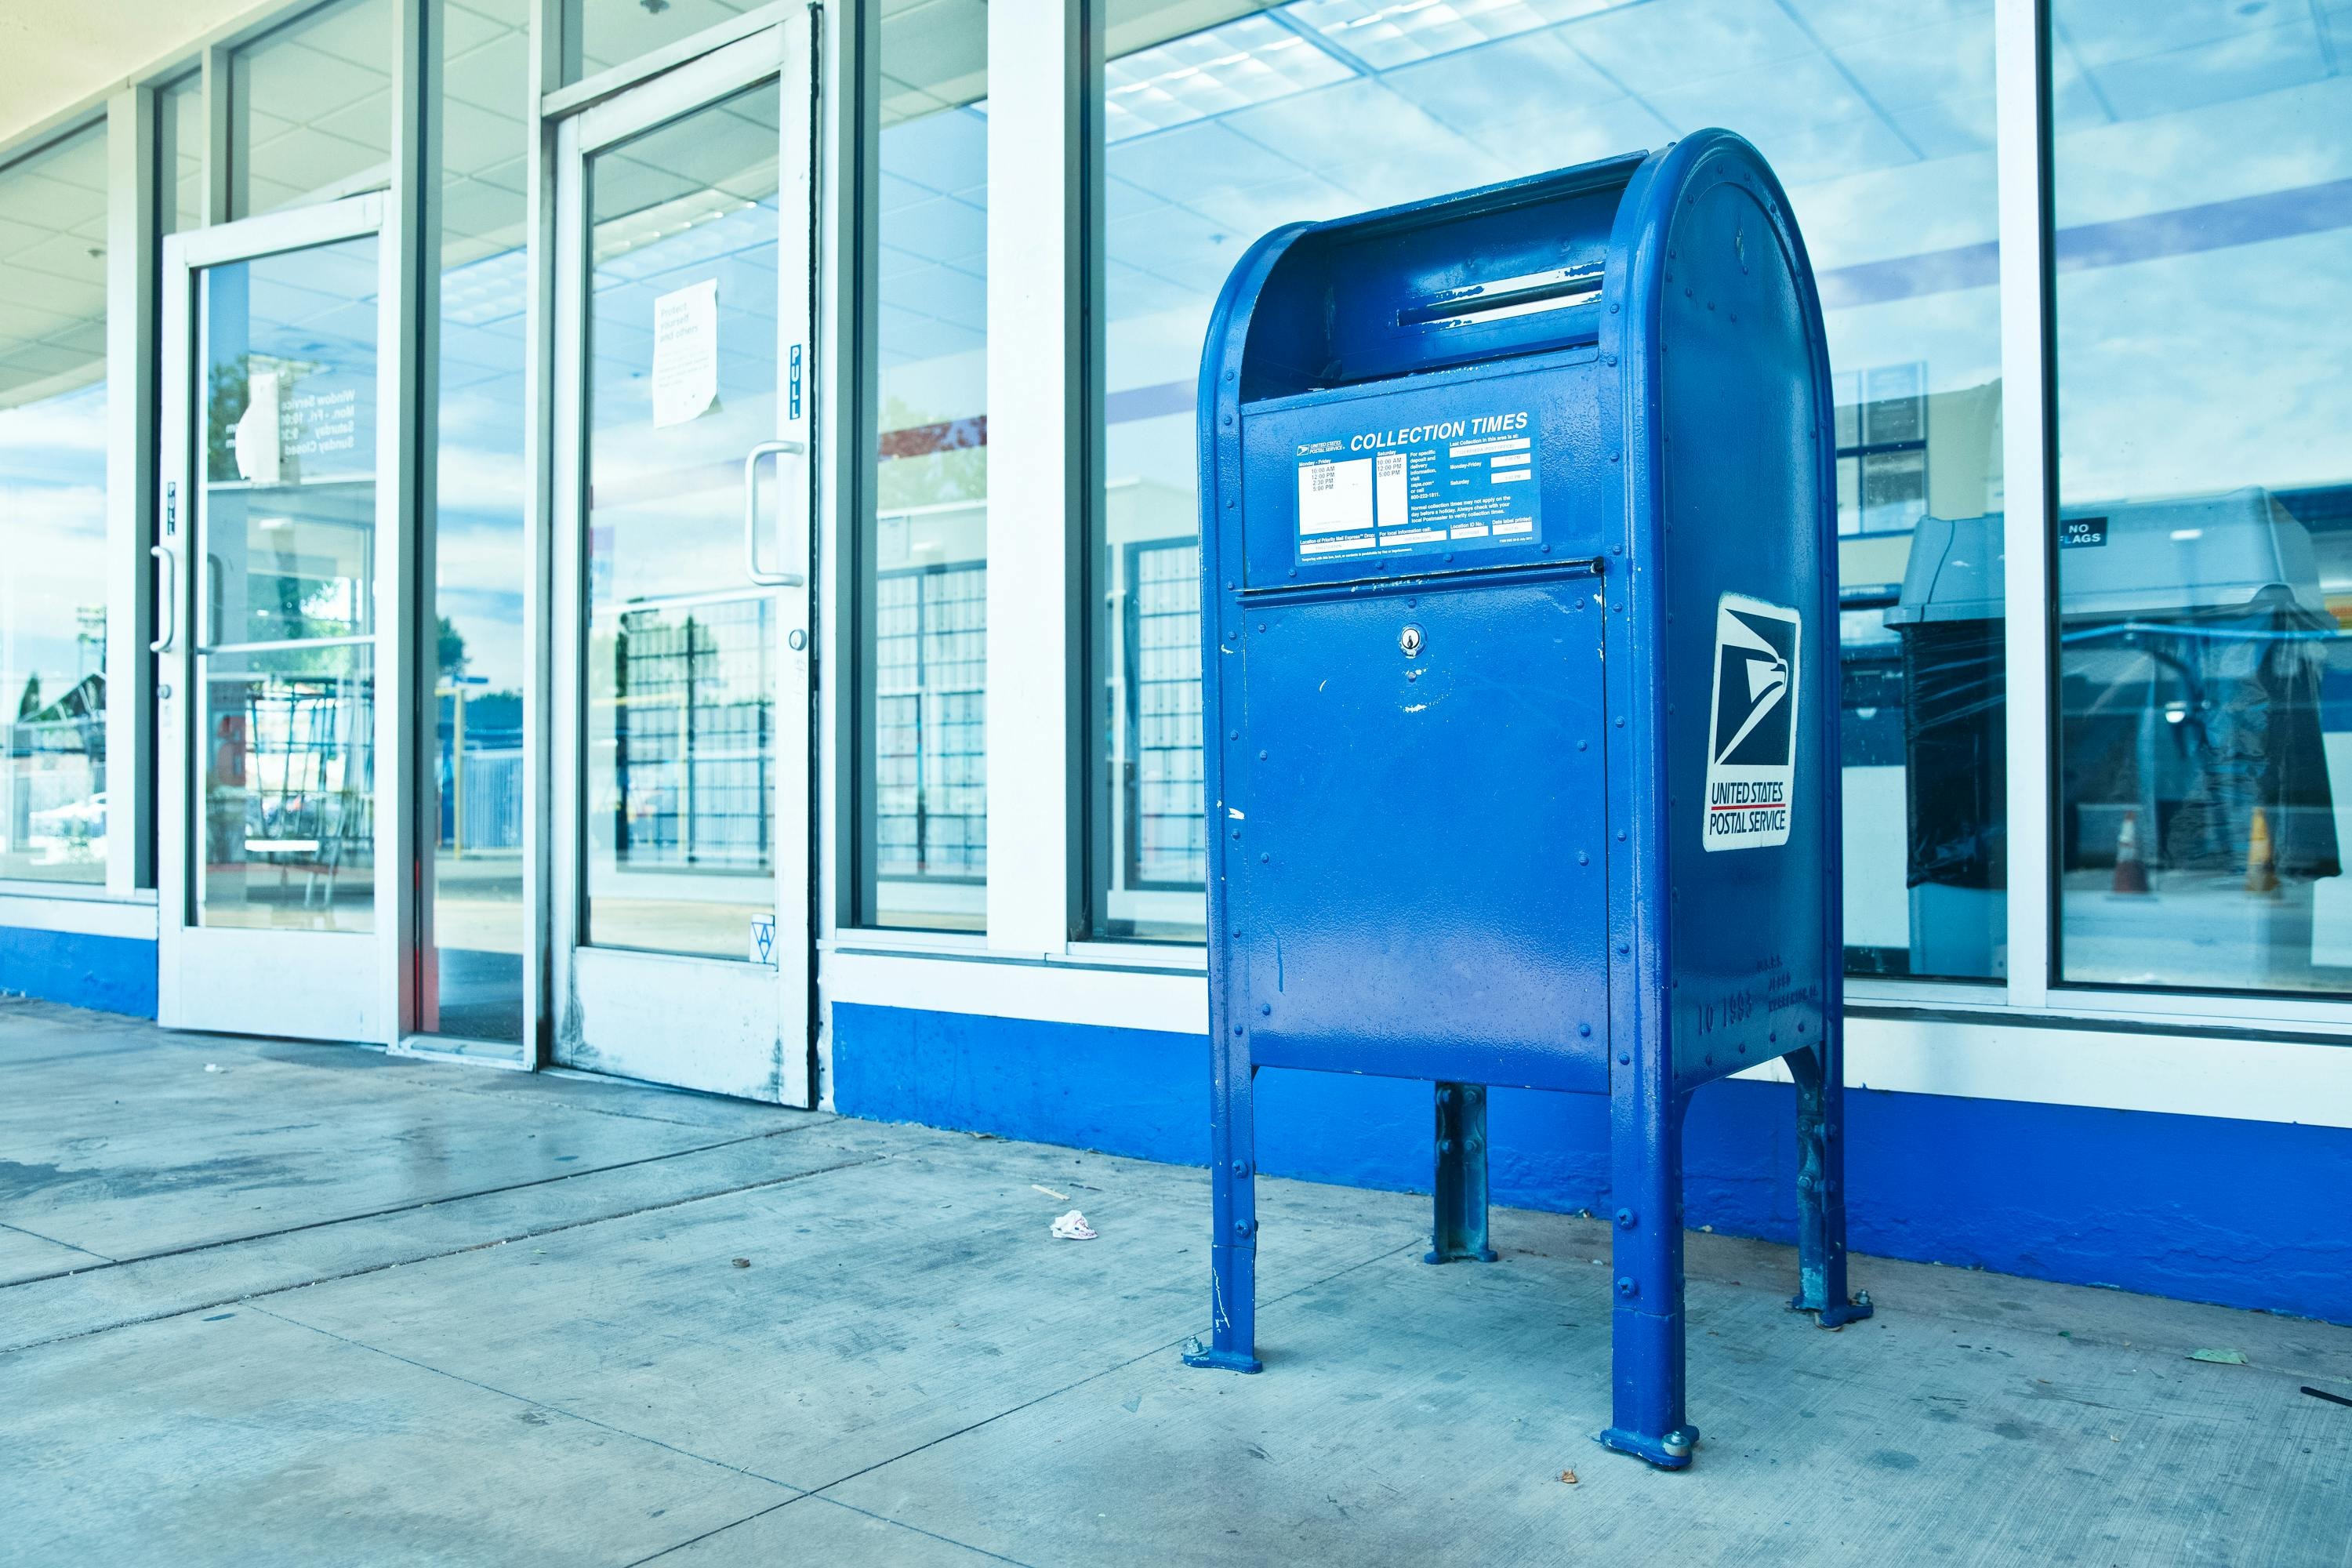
<point>1408,641</point>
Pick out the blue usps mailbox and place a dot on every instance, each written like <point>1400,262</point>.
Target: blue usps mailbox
<point>1521,695</point>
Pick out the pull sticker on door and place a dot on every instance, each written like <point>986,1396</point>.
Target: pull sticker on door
<point>1751,733</point>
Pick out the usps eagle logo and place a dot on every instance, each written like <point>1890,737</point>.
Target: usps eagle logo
<point>1751,739</point>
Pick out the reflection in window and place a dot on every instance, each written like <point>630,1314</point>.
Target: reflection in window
<point>694,762</point>
<point>289,763</point>
<point>285,533</point>
<point>472,982</point>
<point>600,33</point>
<point>682,648</point>
<point>930,738</point>
<point>1225,120</point>
<point>53,512</point>
<point>310,109</point>
<point>2204,539</point>
<point>1161,653</point>
<point>922,791</point>
<point>1881,448</point>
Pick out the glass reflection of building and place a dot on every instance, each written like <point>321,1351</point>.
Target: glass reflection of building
<point>922,839</point>
<point>53,499</point>
<point>1272,114</point>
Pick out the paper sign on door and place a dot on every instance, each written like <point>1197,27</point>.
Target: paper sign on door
<point>686,352</point>
<point>260,447</point>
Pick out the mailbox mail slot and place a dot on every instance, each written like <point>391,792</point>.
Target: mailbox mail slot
<point>1520,694</point>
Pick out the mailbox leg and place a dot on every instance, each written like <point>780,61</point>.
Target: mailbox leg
<point>1820,1193</point>
<point>1459,1231</point>
<point>1232,1244</point>
<point>1646,1327</point>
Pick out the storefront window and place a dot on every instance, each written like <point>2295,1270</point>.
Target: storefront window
<point>480,557</point>
<point>310,109</point>
<point>2203,255</point>
<point>682,649</point>
<point>922,619</point>
<point>53,808</point>
<point>1223,121</point>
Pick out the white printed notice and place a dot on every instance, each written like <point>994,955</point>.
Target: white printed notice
<point>1445,486</point>
<point>260,434</point>
<point>686,352</point>
<point>290,421</point>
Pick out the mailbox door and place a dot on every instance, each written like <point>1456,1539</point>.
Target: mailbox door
<point>1415,822</point>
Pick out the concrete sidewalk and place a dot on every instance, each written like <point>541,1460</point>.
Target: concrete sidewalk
<point>324,1305</point>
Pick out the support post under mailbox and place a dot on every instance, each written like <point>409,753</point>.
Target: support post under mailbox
<point>1520,698</point>
<point>1458,1228</point>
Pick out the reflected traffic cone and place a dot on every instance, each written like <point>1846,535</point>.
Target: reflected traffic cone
<point>2131,871</point>
<point>2262,867</point>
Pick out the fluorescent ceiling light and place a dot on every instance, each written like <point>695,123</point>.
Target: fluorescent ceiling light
<point>1254,61</point>
<point>697,225</point>
<point>483,291</point>
<point>1388,33</point>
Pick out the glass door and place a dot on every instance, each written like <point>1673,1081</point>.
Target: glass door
<point>277,665</point>
<point>682,501</point>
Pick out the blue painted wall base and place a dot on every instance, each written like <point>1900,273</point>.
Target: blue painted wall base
<point>111,973</point>
<point>2243,1214</point>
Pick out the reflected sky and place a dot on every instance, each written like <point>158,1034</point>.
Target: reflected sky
<point>482,485</point>
<point>52,492</point>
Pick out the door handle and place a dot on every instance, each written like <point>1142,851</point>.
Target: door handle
<point>167,599</point>
<point>751,512</point>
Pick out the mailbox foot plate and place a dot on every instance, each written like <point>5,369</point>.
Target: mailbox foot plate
<point>1854,1312</point>
<point>1671,1452</point>
<point>1198,1354</point>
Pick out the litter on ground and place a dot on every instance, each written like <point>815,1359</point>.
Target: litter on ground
<point>1073,1227</point>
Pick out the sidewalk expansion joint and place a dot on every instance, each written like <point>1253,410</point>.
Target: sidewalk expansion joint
<point>246,1296</point>
<point>1418,1242</point>
<point>817,1494</point>
<point>394,1209</point>
<point>52,1241</point>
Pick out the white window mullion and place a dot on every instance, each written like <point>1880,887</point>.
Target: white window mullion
<point>2027,485</point>
<point>215,89</point>
<point>1037,469</point>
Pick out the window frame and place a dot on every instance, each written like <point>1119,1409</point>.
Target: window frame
<point>123,119</point>
<point>2031,987</point>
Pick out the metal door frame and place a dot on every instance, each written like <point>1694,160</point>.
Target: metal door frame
<point>644,996</point>
<point>251,981</point>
